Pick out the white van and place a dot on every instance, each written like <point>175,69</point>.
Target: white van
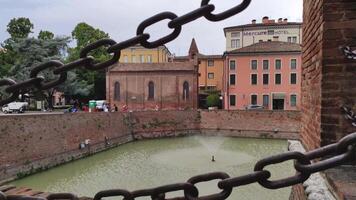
<point>18,107</point>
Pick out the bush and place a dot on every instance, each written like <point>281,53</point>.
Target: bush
<point>213,100</point>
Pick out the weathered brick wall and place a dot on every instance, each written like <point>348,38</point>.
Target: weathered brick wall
<point>32,142</point>
<point>328,78</point>
<point>298,193</point>
<point>338,73</point>
<point>311,73</point>
<point>165,124</point>
<point>265,124</point>
<point>29,142</point>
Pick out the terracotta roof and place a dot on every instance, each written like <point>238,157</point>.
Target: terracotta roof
<point>146,67</point>
<point>263,25</point>
<point>200,56</point>
<point>268,47</point>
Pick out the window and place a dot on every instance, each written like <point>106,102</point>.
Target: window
<point>253,99</point>
<point>232,100</point>
<point>151,91</point>
<point>210,63</point>
<point>117,91</point>
<point>265,64</point>
<point>266,101</point>
<point>235,43</point>
<point>293,78</point>
<point>126,59</point>
<point>265,79</point>
<point>232,79</point>
<point>278,64</point>
<point>149,58</point>
<point>142,58</point>
<point>133,59</point>
<point>185,90</point>
<point>293,100</point>
<point>253,64</point>
<point>270,32</point>
<point>294,39</point>
<point>253,79</point>
<point>210,75</point>
<point>278,79</point>
<point>235,34</point>
<point>232,65</point>
<point>293,64</point>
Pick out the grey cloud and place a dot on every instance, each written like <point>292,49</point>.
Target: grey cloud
<point>120,18</point>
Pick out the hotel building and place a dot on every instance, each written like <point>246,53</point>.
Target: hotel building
<point>266,74</point>
<point>269,30</point>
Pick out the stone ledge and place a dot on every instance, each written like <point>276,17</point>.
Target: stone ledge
<point>316,186</point>
<point>343,180</point>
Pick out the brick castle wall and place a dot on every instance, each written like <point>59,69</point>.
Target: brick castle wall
<point>31,143</point>
<point>328,79</point>
<point>266,124</point>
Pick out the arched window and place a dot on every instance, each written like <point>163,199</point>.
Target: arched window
<point>151,91</point>
<point>185,90</point>
<point>117,91</point>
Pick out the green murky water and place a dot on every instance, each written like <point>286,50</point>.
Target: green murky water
<point>152,163</point>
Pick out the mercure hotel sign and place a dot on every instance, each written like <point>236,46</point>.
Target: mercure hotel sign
<point>266,32</point>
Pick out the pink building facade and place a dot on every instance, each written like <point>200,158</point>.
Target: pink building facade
<point>265,74</point>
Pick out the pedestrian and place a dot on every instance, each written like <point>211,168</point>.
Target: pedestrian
<point>116,108</point>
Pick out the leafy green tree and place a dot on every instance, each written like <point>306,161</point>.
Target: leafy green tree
<point>45,35</point>
<point>85,34</point>
<point>19,27</point>
<point>213,100</point>
<point>31,52</point>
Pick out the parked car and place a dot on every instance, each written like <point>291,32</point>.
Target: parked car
<point>18,107</point>
<point>254,107</point>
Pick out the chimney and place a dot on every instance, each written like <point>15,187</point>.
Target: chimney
<point>280,20</point>
<point>285,20</point>
<point>253,21</point>
<point>265,20</point>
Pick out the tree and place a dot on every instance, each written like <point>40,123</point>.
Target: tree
<point>213,100</point>
<point>45,35</point>
<point>19,27</point>
<point>30,53</point>
<point>85,34</point>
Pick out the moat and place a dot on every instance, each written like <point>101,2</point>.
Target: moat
<point>151,163</point>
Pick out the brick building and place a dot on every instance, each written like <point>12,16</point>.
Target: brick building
<point>266,74</point>
<point>153,85</point>
<point>269,30</point>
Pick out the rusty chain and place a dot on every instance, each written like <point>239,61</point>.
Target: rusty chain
<point>114,49</point>
<point>305,164</point>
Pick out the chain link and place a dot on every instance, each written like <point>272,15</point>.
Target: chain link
<point>305,164</point>
<point>176,23</point>
<point>350,115</point>
<point>349,53</point>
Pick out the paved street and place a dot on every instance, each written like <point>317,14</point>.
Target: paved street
<point>31,113</point>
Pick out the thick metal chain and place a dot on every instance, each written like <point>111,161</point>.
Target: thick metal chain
<point>113,48</point>
<point>305,164</point>
<point>349,53</point>
<point>350,115</point>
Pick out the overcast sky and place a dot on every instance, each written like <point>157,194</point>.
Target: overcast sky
<point>120,18</point>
